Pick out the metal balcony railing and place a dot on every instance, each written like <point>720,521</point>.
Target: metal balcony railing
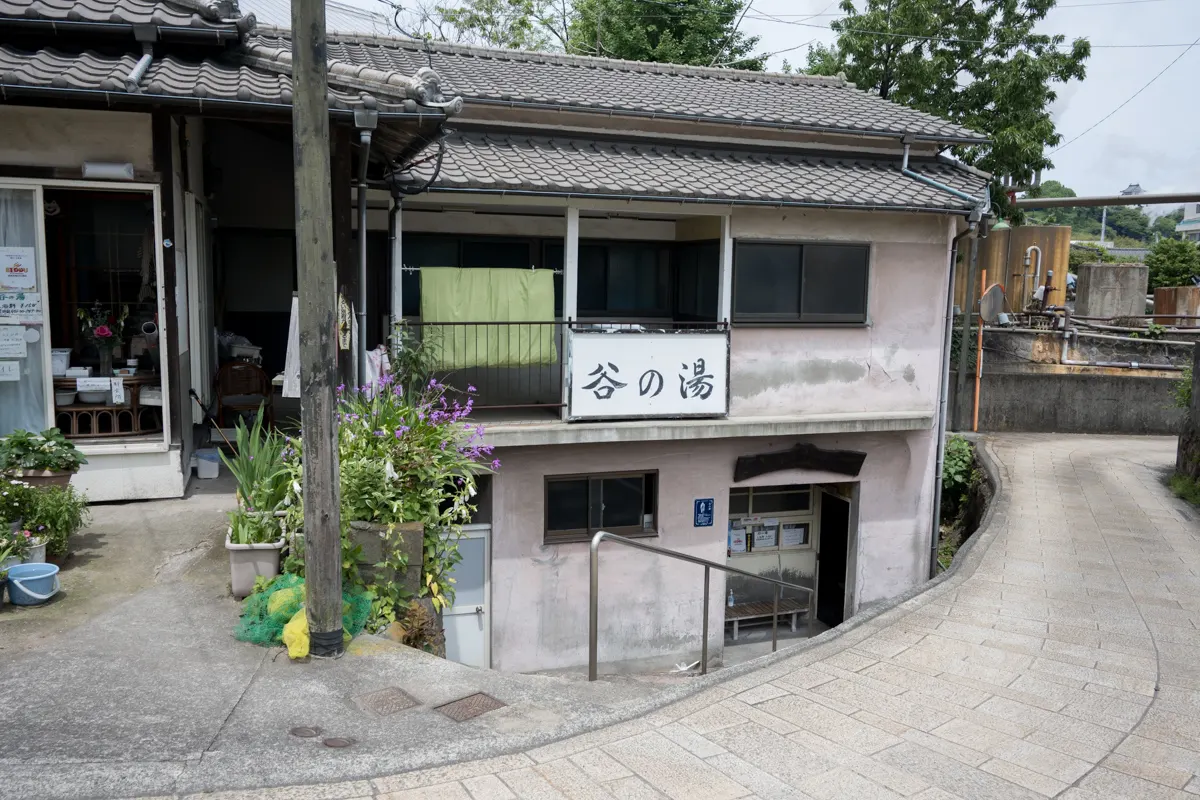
<point>594,597</point>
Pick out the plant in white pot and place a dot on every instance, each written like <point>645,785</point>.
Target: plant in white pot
<point>41,459</point>
<point>54,515</point>
<point>14,547</point>
<point>255,538</point>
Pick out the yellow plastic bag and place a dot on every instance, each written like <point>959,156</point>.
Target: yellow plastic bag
<point>285,601</point>
<point>295,635</point>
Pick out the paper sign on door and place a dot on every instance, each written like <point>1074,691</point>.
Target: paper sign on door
<point>21,306</point>
<point>12,341</point>
<point>10,371</point>
<point>18,268</point>
<point>118,391</point>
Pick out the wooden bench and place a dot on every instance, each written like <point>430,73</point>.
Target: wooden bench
<point>765,610</point>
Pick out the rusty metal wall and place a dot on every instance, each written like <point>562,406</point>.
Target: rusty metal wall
<point>1002,254</point>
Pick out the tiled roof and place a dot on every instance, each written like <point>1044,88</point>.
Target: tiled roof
<point>169,76</point>
<point>177,13</point>
<point>607,85</point>
<point>480,161</point>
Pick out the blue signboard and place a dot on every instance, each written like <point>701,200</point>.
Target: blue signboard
<point>704,513</point>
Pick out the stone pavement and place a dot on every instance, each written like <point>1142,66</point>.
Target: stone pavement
<point>1061,659</point>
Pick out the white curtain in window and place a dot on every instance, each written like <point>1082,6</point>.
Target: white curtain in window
<point>23,402</point>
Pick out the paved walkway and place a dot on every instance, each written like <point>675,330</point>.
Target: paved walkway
<point>1061,660</point>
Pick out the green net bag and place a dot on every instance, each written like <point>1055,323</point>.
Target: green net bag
<point>265,613</point>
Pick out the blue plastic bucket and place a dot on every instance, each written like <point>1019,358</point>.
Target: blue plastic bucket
<point>31,584</point>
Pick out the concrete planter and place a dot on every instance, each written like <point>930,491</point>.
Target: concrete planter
<point>39,478</point>
<point>370,537</point>
<point>250,561</point>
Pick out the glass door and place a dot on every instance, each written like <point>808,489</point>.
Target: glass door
<point>24,341</point>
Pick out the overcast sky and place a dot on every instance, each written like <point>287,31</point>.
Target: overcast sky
<point>1152,141</point>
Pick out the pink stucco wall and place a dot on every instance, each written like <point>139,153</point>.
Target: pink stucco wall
<point>649,606</point>
<point>890,364</point>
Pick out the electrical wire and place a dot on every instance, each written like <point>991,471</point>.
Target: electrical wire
<point>1145,86</point>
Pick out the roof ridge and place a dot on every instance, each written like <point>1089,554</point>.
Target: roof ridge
<point>596,62</point>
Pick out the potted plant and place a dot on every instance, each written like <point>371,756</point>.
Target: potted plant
<point>255,538</point>
<point>45,459</point>
<point>54,515</point>
<point>106,330</point>
<point>14,547</point>
<point>15,499</point>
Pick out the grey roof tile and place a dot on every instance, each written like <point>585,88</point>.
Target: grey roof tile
<point>177,13</point>
<point>523,163</point>
<point>483,74</point>
<point>210,79</point>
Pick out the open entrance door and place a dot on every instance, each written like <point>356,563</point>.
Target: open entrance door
<point>832,550</point>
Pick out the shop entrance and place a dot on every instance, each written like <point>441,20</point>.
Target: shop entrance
<point>831,559</point>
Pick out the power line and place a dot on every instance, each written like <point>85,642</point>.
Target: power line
<point>945,38</point>
<point>1131,97</point>
<point>1055,8</point>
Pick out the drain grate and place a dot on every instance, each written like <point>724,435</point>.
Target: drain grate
<point>470,707</point>
<point>386,701</point>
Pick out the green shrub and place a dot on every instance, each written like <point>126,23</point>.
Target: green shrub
<point>56,513</point>
<point>1182,390</point>
<point>959,476</point>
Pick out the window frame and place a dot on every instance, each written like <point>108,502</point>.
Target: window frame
<point>660,248</point>
<point>576,535</point>
<point>799,318</point>
<point>808,517</point>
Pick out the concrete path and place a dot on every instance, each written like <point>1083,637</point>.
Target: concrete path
<point>1062,659</point>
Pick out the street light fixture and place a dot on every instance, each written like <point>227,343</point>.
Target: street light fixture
<point>1131,189</point>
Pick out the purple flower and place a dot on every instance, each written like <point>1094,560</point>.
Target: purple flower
<point>495,463</point>
<point>471,389</point>
<point>380,433</point>
<point>341,388</point>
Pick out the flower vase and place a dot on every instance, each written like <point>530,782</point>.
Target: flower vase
<point>106,368</point>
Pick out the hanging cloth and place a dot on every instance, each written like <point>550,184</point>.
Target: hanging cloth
<point>453,295</point>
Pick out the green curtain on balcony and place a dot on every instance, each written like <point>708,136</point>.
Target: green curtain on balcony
<point>520,303</point>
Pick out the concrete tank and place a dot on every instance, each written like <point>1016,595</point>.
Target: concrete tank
<point>1111,290</point>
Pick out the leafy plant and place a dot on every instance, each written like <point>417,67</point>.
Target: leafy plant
<point>958,476</point>
<point>49,450</point>
<point>261,474</point>
<point>1172,262</point>
<point>16,498</point>
<point>1181,390</point>
<point>15,545</point>
<point>56,513</point>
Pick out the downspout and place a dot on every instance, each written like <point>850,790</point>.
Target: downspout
<point>147,35</point>
<point>365,121</point>
<point>943,404</point>
<point>983,204</point>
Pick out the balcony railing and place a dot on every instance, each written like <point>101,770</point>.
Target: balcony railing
<point>642,368</point>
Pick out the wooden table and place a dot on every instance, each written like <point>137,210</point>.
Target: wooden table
<point>99,420</point>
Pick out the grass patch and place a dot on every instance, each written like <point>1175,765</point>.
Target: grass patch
<point>1185,488</point>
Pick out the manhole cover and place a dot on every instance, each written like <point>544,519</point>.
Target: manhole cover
<point>470,707</point>
<point>337,742</point>
<point>385,701</point>
<point>305,733</point>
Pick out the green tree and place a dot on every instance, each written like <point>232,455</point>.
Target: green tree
<point>979,63</point>
<point>1164,226</point>
<point>539,25</point>
<point>1173,262</point>
<point>697,32</point>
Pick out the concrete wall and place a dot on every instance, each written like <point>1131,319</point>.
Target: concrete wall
<point>650,607</point>
<point>65,138</point>
<point>1111,290</point>
<point>1075,400</point>
<point>889,364</point>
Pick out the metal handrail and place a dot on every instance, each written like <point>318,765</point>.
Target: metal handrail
<point>594,598</point>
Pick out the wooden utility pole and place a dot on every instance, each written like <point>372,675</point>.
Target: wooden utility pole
<point>318,328</point>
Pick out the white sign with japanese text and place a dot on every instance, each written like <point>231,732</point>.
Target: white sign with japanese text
<point>18,268</point>
<point>12,341</point>
<point>21,306</point>
<point>623,374</point>
<point>10,370</point>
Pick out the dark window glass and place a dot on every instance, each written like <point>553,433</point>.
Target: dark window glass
<point>739,502</point>
<point>767,280</point>
<point>622,502</point>
<point>593,279</point>
<point>567,505</point>
<point>496,253</point>
<point>696,281</point>
<point>578,507</point>
<point>772,503</point>
<point>835,283</point>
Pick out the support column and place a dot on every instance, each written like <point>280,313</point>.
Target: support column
<point>570,284</point>
<point>396,255</point>
<point>725,275</point>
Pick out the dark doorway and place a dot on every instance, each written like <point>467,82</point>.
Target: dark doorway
<point>831,559</point>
